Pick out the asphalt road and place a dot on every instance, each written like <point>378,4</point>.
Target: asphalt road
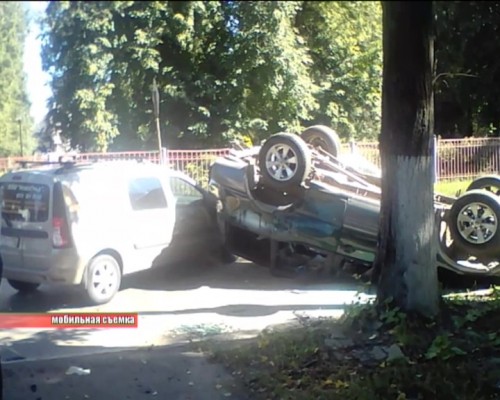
<point>177,305</point>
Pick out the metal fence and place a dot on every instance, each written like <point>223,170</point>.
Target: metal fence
<point>455,158</point>
<point>194,163</point>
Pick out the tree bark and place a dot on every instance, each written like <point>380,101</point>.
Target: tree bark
<point>405,266</point>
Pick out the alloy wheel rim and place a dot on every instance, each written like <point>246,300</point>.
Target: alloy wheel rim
<point>281,162</point>
<point>477,223</point>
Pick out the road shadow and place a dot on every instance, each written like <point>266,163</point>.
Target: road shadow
<point>451,281</point>
<point>41,344</point>
<point>238,275</point>
<point>241,275</point>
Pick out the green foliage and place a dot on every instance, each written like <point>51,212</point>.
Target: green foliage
<point>14,106</point>
<point>442,347</point>
<point>345,41</point>
<point>224,69</point>
<point>467,73</point>
<point>251,68</point>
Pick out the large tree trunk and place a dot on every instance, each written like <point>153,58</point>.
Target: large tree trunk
<point>406,262</point>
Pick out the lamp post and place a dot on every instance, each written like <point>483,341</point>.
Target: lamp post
<point>19,121</point>
<point>156,109</point>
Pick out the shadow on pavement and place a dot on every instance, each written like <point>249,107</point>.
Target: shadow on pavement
<point>242,275</point>
<point>248,310</point>
<point>44,342</point>
<point>239,275</point>
<point>451,281</point>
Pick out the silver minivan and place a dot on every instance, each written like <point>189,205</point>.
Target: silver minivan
<point>90,224</point>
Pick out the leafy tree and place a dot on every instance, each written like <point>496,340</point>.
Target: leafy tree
<point>223,69</point>
<point>467,68</point>
<point>14,107</point>
<point>344,38</point>
<point>406,260</point>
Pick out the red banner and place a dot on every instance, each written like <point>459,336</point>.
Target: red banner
<point>69,320</point>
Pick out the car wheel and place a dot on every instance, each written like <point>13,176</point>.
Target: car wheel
<point>474,223</point>
<point>23,287</point>
<point>103,279</point>
<point>323,137</point>
<point>284,161</point>
<point>489,183</point>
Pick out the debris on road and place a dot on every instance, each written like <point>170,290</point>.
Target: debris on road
<point>77,371</point>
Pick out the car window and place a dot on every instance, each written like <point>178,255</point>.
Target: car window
<point>184,192</point>
<point>71,202</point>
<point>25,202</point>
<point>147,194</point>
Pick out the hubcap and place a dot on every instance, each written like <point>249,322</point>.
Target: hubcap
<point>477,223</point>
<point>281,162</point>
<point>104,279</point>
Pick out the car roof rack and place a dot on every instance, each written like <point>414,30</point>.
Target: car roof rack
<point>25,163</point>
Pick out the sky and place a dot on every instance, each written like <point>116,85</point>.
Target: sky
<point>37,81</point>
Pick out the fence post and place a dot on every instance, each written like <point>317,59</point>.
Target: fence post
<point>352,146</point>
<point>164,156</point>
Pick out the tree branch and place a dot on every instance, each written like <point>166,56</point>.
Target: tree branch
<point>451,75</point>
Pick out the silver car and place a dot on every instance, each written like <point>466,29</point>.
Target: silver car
<point>91,224</point>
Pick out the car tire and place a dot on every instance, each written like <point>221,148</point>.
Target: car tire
<point>23,287</point>
<point>465,225</point>
<point>284,161</point>
<point>489,183</point>
<point>103,278</point>
<point>323,137</point>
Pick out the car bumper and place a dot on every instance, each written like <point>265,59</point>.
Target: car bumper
<point>63,266</point>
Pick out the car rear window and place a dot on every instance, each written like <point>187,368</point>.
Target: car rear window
<point>25,202</point>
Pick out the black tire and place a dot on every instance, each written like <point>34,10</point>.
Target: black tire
<point>490,247</point>
<point>107,268</point>
<point>301,168</point>
<point>23,287</point>
<point>323,137</point>
<point>489,183</point>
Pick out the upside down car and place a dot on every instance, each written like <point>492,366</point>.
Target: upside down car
<point>295,200</point>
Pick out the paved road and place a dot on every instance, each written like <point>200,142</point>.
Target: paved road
<point>173,373</point>
<point>175,306</point>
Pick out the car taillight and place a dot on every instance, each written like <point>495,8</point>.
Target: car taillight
<point>60,234</point>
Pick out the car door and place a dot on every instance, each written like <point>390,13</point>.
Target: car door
<point>153,218</point>
<point>195,225</point>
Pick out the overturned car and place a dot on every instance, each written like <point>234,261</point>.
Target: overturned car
<point>296,202</point>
